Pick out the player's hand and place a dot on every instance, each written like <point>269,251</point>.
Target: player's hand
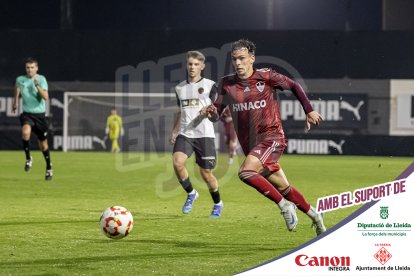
<point>173,137</point>
<point>212,112</point>
<point>36,80</point>
<point>203,111</point>
<point>14,108</point>
<point>312,118</point>
<point>106,130</point>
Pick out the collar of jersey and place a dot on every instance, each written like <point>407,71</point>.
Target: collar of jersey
<point>196,81</point>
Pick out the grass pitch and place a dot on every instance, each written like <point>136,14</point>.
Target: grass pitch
<point>52,227</point>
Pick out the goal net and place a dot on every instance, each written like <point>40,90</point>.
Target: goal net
<point>147,121</point>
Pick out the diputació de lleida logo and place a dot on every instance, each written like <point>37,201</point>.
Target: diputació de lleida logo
<point>384,212</point>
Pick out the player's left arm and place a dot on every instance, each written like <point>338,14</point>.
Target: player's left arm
<point>41,86</point>
<point>283,82</point>
<point>107,125</point>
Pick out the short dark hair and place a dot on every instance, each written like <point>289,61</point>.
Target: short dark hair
<point>244,43</point>
<point>31,60</point>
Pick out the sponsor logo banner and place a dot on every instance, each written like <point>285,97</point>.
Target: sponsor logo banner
<point>402,107</point>
<point>377,239</point>
<point>348,111</point>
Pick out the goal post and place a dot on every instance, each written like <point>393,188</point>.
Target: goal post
<point>147,120</point>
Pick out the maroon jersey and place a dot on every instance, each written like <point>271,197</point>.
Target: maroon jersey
<point>255,112</point>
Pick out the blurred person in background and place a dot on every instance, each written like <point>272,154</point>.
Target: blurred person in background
<point>114,129</point>
<point>230,135</point>
<point>33,90</point>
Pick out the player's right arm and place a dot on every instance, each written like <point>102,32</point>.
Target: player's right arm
<point>215,110</point>
<point>176,127</point>
<point>107,126</point>
<point>16,97</point>
<point>177,120</point>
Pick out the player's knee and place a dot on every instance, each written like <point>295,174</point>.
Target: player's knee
<point>43,145</point>
<point>206,174</point>
<point>178,163</point>
<point>26,129</point>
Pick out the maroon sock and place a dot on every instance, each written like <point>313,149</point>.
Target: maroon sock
<point>261,184</point>
<point>293,195</point>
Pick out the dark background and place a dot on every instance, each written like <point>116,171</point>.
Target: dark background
<point>339,47</point>
<point>88,40</point>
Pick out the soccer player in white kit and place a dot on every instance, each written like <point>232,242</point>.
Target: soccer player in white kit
<point>193,132</point>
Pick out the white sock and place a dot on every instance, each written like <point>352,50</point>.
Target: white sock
<point>282,203</point>
<point>192,192</point>
<point>312,213</point>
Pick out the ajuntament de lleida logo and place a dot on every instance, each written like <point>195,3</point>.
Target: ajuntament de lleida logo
<point>384,212</point>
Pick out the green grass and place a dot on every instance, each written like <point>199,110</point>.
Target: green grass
<point>51,228</point>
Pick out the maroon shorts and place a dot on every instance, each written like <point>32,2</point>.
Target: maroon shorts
<point>269,152</point>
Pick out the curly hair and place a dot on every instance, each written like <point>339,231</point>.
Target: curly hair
<point>244,43</point>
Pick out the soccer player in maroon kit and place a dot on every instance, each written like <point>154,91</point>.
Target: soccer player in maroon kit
<point>249,94</point>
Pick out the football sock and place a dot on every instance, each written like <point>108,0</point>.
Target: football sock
<point>46,154</point>
<point>186,184</point>
<point>261,184</point>
<point>312,213</point>
<point>293,195</point>
<point>26,147</point>
<point>215,196</point>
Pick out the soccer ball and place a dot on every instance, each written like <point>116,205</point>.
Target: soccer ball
<point>116,222</point>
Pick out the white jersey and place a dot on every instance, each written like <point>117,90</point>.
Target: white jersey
<point>192,97</point>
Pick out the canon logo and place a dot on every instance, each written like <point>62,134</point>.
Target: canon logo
<point>304,260</point>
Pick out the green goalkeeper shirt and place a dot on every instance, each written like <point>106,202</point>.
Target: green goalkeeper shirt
<point>32,101</point>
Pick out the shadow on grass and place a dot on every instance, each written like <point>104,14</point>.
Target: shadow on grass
<point>11,223</point>
<point>196,245</point>
<point>76,261</point>
<point>213,245</point>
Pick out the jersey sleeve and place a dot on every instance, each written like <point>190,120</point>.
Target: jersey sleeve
<point>213,93</point>
<point>221,100</point>
<point>43,83</point>
<point>284,83</point>
<point>178,99</point>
